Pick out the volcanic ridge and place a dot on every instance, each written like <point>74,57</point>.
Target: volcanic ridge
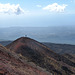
<point>42,56</point>
<point>26,56</point>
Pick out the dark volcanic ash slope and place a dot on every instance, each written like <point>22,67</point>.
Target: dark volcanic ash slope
<point>61,48</point>
<point>69,56</point>
<point>43,56</point>
<point>13,64</point>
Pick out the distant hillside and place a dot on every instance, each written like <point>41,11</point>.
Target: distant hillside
<point>61,48</point>
<point>4,43</point>
<point>42,56</point>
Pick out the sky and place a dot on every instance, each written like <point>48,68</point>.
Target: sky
<point>37,13</point>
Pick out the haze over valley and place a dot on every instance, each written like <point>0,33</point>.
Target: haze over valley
<point>53,34</point>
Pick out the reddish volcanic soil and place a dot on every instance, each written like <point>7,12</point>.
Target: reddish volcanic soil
<point>12,64</point>
<point>42,56</point>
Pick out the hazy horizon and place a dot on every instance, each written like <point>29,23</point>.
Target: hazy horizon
<point>58,34</point>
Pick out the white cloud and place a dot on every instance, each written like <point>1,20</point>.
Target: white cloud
<point>39,6</point>
<point>11,9</point>
<point>55,7</point>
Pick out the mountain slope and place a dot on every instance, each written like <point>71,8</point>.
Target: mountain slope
<point>61,48</point>
<point>13,64</point>
<point>69,56</point>
<point>42,56</point>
